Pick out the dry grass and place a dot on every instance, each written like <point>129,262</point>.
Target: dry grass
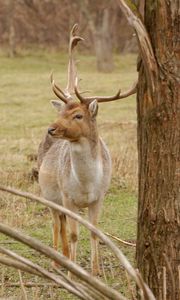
<point>25,114</point>
<point>121,139</point>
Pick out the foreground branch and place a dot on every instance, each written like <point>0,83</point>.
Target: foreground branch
<point>64,261</point>
<point>82,287</point>
<point>17,265</point>
<point>60,259</point>
<point>44,273</point>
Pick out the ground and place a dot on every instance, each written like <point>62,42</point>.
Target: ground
<point>25,116</point>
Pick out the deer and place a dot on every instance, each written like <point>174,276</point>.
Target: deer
<point>73,160</point>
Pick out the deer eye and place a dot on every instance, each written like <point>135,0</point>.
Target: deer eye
<point>78,116</point>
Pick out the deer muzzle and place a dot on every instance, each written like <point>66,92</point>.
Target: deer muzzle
<point>51,130</point>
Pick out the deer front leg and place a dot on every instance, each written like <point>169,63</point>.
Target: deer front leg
<point>63,234</point>
<point>73,231</point>
<point>59,229</point>
<point>94,212</point>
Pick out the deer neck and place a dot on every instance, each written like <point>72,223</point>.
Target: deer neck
<point>85,159</point>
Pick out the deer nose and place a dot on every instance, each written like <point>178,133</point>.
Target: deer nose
<point>51,130</point>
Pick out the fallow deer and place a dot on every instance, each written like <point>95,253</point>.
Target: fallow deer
<point>74,162</point>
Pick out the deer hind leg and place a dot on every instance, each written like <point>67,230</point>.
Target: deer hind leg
<point>63,234</point>
<point>94,212</point>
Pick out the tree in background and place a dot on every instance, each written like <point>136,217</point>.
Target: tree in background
<point>10,9</point>
<point>45,24</point>
<point>99,22</point>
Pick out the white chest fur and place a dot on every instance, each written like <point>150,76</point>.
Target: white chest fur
<point>85,180</point>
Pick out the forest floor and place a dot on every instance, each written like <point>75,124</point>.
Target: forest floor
<point>25,115</point>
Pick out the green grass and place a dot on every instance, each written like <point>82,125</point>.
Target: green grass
<point>25,114</point>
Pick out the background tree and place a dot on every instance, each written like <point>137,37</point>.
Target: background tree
<point>99,21</point>
<point>10,9</point>
<point>158,109</point>
<point>44,24</point>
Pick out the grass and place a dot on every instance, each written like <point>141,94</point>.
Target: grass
<point>25,115</point>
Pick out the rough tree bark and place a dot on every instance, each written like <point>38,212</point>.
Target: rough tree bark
<point>158,113</point>
<point>158,240</point>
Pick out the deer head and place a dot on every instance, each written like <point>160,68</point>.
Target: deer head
<point>77,119</point>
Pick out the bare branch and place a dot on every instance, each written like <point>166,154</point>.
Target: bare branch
<point>84,287</point>
<point>120,240</point>
<point>74,284</point>
<point>17,265</point>
<point>39,269</point>
<point>145,289</point>
<point>64,261</point>
<point>130,287</point>
<point>59,258</point>
<point>24,294</point>
<point>145,46</point>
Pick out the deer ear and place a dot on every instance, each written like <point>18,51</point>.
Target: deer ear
<point>57,104</point>
<point>93,108</point>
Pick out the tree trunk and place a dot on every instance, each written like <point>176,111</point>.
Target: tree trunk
<point>102,42</point>
<point>11,29</point>
<point>158,240</point>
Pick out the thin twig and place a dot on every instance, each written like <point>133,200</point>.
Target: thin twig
<point>24,294</point>
<point>164,283</point>
<point>8,242</point>
<point>111,268</point>
<point>130,287</point>
<point>31,284</point>
<point>94,293</point>
<point>36,295</point>
<point>73,284</point>
<point>179,276</point>
<point>2,280</point>
<point>173,290</point>
<point>103,269</point>
<point>120,240</point>
<point>147,293</point>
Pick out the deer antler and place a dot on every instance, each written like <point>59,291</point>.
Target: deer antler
<point>65,95</point>
<point>117,96</point>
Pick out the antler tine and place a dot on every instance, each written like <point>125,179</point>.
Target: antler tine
<point>72,72</point>
<point>101,99</point>
<point>56,86</point>
<point>57,90</point>
<point>119,95</point>
<point>65,95</point>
